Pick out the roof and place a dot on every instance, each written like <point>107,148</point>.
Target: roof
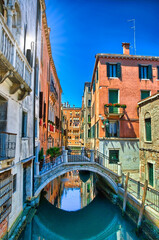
<point>148,99</point>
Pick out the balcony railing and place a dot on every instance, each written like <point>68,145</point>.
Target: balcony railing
<point>7,146</point>
<point>113,110</point>
<point>12,60</point>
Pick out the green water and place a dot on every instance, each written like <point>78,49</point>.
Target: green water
<point>100,219</point>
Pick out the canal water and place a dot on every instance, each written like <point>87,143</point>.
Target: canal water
<point>71,208</point>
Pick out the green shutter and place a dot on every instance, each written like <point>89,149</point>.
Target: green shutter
<point>97,129</point>
<point>119,70</point>
<point>108,70</point>
<point>113,98</point>
<point>139,71</point>
<point>149,71</point>
<point>150,169</point>
<point>148,129</point>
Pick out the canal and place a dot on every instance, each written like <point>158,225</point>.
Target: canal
<point>72,208</point>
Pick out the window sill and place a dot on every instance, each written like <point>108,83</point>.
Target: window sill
<point>113,78</point>
<point>25,138</point>
<point>145,79</point>
<point>149,142</point>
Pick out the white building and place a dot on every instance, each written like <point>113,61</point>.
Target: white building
<point>20,45</point>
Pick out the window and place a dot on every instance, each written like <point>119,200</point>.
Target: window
<point>37,80</point>
<point>145,72</point>
<point>157,72</point>
<point>148,129</point>
<point>113,98</point>
<point>112,129</point>
<point>94,86</point>
<point>150,174</point>
<point>93,131</point>
<point>113,156</point>
<point>89,103</point>
<point>89,118</point>
<point>144,94</point>
<point>24,124</point>
<point>114,70</point>
<point>89,133</point>
<point>14,182</point>
<point>97,74</point>
<point>89,89</point>
<point>36,127</point>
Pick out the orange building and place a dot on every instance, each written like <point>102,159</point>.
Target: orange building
<point>50,94</point>
<point>119,81</point>
<point>72,115</point>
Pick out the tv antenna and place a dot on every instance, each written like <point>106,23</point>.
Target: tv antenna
<point>133,27</point>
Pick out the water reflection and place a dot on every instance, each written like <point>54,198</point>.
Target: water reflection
<point>57,218</point>
<point>71,191</point>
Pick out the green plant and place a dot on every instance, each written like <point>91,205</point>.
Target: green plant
<point>41,154</point>
<point>53,152</point>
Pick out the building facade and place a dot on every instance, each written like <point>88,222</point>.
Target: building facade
<point>50,94</point>
<point>87,115</point>
<point>149,140</point>
<point>72,115</point>
<point>119,81</point>
<point>20,30</point>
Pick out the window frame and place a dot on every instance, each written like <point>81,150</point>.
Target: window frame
<point>113,150</point>
<point>147,139</point>
<point>24,128</point>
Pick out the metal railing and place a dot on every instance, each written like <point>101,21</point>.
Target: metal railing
<point>50,162</point>
<point>104,160</point>
<point>136,189</point>
<point>78,156</point>
<point>7,145</point>
<point>11,51</point>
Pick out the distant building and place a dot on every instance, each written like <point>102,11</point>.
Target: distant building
<point>119,81</point>
<point>149,140</point>
<point>72,115</point>
<point>87,115</point>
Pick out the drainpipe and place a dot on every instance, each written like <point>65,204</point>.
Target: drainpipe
<point>36,33</point>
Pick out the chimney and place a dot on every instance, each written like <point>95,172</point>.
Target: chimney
<point>126,49</point>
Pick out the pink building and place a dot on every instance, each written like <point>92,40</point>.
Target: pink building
<point>120,79</point>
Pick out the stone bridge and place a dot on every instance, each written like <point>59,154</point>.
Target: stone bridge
<point>95,162</point>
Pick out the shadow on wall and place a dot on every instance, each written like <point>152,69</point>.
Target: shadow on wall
<point>127,127</point>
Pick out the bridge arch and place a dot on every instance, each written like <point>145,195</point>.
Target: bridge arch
<point>42,180</point>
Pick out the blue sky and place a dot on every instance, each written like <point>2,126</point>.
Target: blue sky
<point>82,28</point>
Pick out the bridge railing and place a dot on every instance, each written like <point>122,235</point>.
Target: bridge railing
<point>136,189</point>
<point>50,162</point>
<point>84,155</point>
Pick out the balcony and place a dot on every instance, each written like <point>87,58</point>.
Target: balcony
<point>7,149</point>
<point>13,63</point>
<point>114,111</point>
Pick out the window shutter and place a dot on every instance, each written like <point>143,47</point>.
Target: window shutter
<point>108,69</point>
<point>149,71</point>
<point>119,70</point>
<point>148,129</point>
<point>139,71</point>
<point>41,105</point>
<point>44,116</point>
<point>97,75</point>
<point>157,72</point>
<point>94,86</point>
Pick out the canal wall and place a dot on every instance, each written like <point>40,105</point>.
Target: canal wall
<point>150,221</point>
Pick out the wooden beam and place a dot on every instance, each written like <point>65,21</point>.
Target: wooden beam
<point>22,95</point>
<point>14,88</point>
<point>142,208</point>
<point>125,194</point>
